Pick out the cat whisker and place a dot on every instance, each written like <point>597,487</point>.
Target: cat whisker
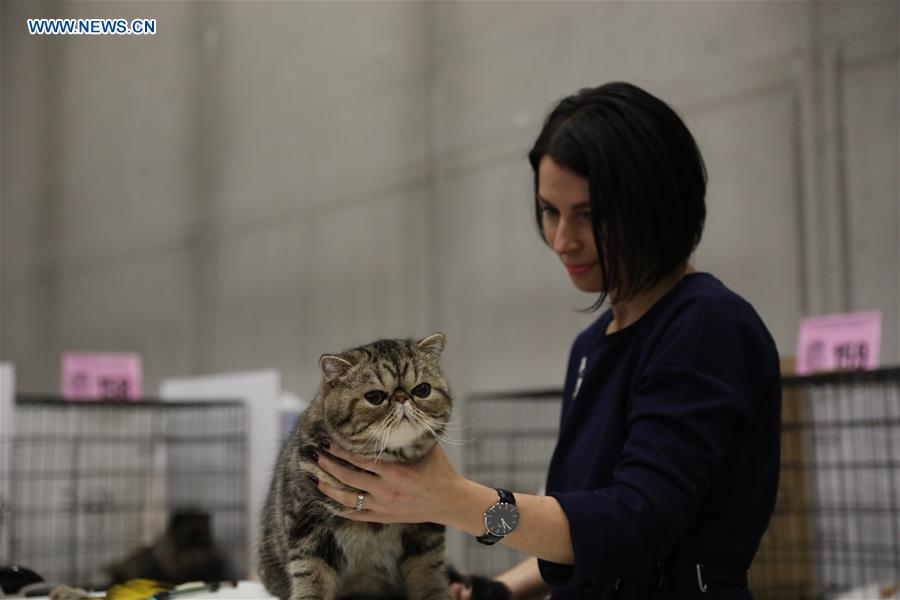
<point>456,428</point>
<point>453,425</point>
<point>384,437</point>
<point>459,421</point>
<point>430,420</point>
<point>373,441</point>
<point>432,425</point>
<point>377,439</point>
<point>442,438</point>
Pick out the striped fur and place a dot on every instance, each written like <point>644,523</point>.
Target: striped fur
<point>306,551</point>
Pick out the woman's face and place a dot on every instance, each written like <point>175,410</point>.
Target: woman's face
<point>564,201</point>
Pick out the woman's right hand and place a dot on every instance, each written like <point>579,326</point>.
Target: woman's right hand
<point>460,591</point>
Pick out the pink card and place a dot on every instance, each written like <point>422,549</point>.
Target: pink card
<point>93,376</point>
<point>839,342</point>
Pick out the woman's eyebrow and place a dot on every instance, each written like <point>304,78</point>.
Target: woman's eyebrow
<point>579,206</point>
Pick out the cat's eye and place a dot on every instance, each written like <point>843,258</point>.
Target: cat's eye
<point>375,397</point>
<point>421,390</point>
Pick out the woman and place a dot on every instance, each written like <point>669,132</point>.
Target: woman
<point>666,466</point>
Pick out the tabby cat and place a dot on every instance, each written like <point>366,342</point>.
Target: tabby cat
<point>385,401</point>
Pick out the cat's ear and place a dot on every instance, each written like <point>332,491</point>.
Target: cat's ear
<point>433,345</point>
<point>333,367</point>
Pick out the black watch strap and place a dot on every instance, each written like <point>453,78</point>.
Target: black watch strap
<point>488,538</point>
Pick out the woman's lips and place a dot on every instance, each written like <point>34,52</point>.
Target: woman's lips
<point>579,269</point>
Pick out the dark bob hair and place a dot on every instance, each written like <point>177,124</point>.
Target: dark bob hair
<point>646,177</point>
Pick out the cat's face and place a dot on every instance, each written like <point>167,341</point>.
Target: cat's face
<point>388,395</point>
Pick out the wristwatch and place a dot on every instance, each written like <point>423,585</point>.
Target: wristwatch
<point>500,519</point>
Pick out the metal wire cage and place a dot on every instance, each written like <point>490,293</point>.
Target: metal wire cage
<point>513,436</point>
<point>83,484</point>
<point>836,523</point>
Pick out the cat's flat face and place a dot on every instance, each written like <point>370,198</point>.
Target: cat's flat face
<point>390,394</point>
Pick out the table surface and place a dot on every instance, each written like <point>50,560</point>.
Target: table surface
<point>245,590</point>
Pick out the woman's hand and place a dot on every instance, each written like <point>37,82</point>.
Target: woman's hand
<point>459,591</point>
<point>431,491</point>
<point>392,493</point>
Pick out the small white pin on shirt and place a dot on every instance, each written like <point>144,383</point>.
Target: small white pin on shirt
<point>581,367</point>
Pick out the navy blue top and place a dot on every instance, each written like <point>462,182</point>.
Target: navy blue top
<point>669,439</point>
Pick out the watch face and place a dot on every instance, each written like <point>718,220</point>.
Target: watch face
<point>501,518</point>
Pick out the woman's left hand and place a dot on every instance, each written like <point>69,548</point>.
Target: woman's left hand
<point>392,492</point>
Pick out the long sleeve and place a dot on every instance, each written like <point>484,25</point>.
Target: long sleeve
<point>688,401</point>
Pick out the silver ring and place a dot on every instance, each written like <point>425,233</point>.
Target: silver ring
<point>359,503</point>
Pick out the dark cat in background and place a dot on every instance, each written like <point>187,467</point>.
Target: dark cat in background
<point>185,552</point>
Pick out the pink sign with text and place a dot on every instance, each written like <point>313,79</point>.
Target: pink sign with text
<point>96,376</point>
<point>849,341</point>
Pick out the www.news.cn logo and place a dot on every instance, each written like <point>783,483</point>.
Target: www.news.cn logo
<point>92,27</point>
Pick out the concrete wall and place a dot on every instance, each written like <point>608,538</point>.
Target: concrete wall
<point>260,183</point>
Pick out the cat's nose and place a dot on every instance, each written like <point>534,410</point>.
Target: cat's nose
<point>401,397</point>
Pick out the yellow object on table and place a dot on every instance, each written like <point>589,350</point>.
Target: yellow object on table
<point>137,589</point>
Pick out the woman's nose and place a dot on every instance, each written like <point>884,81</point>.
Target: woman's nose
<point>565,239</point>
